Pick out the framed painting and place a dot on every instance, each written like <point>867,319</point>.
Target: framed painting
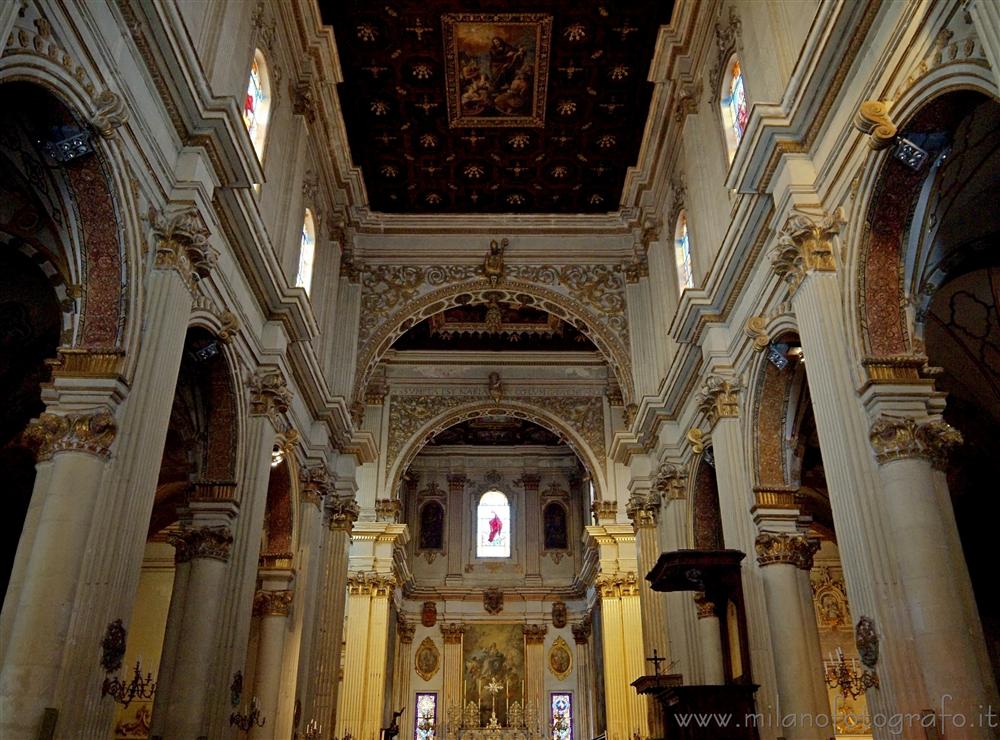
<point>496,68</point>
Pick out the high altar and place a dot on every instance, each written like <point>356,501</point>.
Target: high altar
<point>522,723</point>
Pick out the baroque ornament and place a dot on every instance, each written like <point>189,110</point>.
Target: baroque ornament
<point>643,509</point>
<point>805,246</point>
<point>341,513</point>
<point>213,543</point>
<point>899,438</point>
<point>559,614</point>
<point>272,603</point>
<point>873,119</point>
<point>427,659</point>
<point>534,634</point>
<point>269,395</point>
<point>786,549</point>
<point>718,399</point>
<point>671,482</point>
<point>113,646</point>
<point>92,433</point>
<point>756,330</point>
<point>182,243</point>
<point>582,631</point>
<point>560,659</point>
<point>428,614</point>
<point>867,641</point>
<point>493,600</point>
<point>452,633</point>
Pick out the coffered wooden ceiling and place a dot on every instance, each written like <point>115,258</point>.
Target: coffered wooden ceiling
<point>493,106</point>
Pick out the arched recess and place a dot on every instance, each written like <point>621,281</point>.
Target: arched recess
<point>476,409</point>
<point>614,351</point>
<point>883,268</point>
<point>706,516</point>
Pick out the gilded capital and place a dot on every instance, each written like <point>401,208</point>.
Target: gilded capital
<point>617,585</point>
<point>582,630</point>
<point>756,330</point>
<point>719,399</point>
<point>92,433</point>
<point>671,482</point>
<point>534,634</point>
<point>405,630</point>
<point>315,483</point>
<point>182,243</point>
<point>214,543</point>
<point>341,513</point>
<point>605,511</point>
<point>787,549</point>
<point>643,509</point>
<point>898,438</point>
<point>370,584</point>
<point>388,509</point>
<point>704,607</point>
<point>873,119</point>
<point>452,633</point>
<point>272,603</point>
<point>805,246</point>
<point>269,395</point>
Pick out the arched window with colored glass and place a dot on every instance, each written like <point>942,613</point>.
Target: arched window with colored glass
<point>493,526</point>
<point>735,110</point>
<point>682,252</point>
<point>257,105</point>
<point>307,253</point>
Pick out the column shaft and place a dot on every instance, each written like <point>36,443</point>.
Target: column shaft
<point>272,607</point>
<point>713,668</point>
<point>165,685</point>
<point>452,666</point>
<point>534,670</point>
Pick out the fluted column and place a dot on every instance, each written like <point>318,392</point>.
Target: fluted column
<point>720,402</point>
<point>623,658</point>
<point>585,680</point>
<point>876,551</point>
<point>532,518</point>
<point>74,449</point>
<point>403,672</point>
<point>644,511</point>
<point>452,665</point>
<point>534,668</point>
<point>208,538</point>
<point>798,666</point>
<point>271,605</point>
<point>321,701</point>
<point>713,667</point>
<point>171,637</point>
<point>456,527</point>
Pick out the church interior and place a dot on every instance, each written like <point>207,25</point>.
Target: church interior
<point>499,369</point>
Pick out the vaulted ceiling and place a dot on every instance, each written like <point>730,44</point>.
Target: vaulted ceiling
<point>492,106</point>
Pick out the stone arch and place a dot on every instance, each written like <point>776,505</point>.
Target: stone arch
<point>882,329</point>
<point>475,409</point>
<point>611,346</point>
<point>103,229</point>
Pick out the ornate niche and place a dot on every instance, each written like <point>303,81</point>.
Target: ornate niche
<point>430,538</point>
<point>560,659</point>
<point>427,659</point>
<point>555,522</point>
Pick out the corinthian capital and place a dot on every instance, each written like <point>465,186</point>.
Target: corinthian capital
<point>341,513</point>
<point>182,243</point>
<point>272,603</point>
<point>898,438</point>
<point>643,509</point>
<point>805,246</point>
<point>452,633</point>
<point>534,634</point>
<point>269,395</point>
<point>92,433</point>
<point>671,482</point>
<point>719,399</point>
<point>316,483</point>
<point>788,549</point>
<point>206,542</point>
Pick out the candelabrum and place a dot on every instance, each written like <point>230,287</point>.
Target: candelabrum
<point>313,731</point>
<point>126,693</point>
<point>253,717</point>
<point>844,674</point>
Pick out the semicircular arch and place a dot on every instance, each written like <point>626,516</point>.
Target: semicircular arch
<point>476,409</point>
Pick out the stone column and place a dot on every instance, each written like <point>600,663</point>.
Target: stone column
<point>585,681</point>
<point>719,402</point>
<point>74,448</point>
<point>623,659</point>
<point>171,637</point>
<point>644,511</point>
<point>534,668</point>
<point>271,605</point>
<point>404,673</point>
<point>532,517</point>
<point>798,666</point>
<point>208,538</point>
<point>320,702</point>
<point>713,667</point>
<point>456,527</point>
<point>876,551</point>
<point>452,666</point>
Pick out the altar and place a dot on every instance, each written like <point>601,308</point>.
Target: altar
<point>522,723</point>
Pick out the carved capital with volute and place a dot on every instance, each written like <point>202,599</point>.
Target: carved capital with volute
<point>605,511</point>
<point>704,607</point>
<point>671,482</point>
<point>272,603</point>
<point>341,513</point>
<point>315,482</point>
<point>452,633</point>
<point>786,549</point>
<point>92,433</point>
<point>617,585</point>
<point>406,630</point>
<point>873,119</point>
<point>582,630</point>
<point>269,394</point>
<point>643,509</point>
<point>388,509</point>
<point>805,246</point>
<point>534,634</point>
<point>898,438</point>
<point>719,399</point>
<point>182,243</point>
<point>214,543</point>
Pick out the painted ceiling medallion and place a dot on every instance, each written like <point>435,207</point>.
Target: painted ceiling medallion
<point>497,68</point>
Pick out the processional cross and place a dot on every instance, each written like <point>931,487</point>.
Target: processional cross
<point>656,660</point>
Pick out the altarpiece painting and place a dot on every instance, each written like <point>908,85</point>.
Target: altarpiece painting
<point>493,656</point>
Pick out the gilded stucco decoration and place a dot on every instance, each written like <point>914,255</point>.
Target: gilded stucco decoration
<point>560,659</point>
<point>946,50</point>
<point>830,598</point>
<point>427,659</point>
<point>590,298</point>
<point>719,399</point>
<point>671,481</point>
<point>873,119</point>
<point>786,549</point>
<point>805,245</point>
<point>408,415</point>
<point>92,433</point>
<point>898,438</point>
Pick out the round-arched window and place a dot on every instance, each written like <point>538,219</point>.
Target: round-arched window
<point>257,106</point>
<point>733,102</point>
<point>493,526</point>
<point>682,252</point>
<point>307,252</point>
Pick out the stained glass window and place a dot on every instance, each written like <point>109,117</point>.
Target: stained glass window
<point>258,103</point>
<point>307,252</point>
<point>562,717</point>
<point>493,526</point>
<point>425,725</point>
<point>682,252</point>
<point>735,111</point>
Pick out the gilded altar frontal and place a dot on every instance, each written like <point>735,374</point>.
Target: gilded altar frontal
<point>464,370</point>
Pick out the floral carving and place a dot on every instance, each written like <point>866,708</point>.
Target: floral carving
<point>899,438</point>
<point>786,549</point>
<point>269,396</point>
<point>182,243</point>
<point>93,433</point>
<point>272,603</point>
<point>719,399</point>
<point>670,482</point>
<point>534,634</point>
<point>805,246</point>
<point>643,509</point>
<point>341,513</point>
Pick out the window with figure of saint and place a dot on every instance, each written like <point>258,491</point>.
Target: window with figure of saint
<point>426,717</point>
<point>432,526</point>
<point>682,252</point>
<point>735,110</point>
<point>561,722</point>
<point>307,253</point>
<point>554,521</point>
<point>493,526</point>
<point>257,106</point>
